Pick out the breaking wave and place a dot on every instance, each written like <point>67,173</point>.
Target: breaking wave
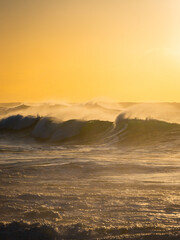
<point>123,130</point>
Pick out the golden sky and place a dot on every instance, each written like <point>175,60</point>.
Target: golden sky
<point>127,50</point>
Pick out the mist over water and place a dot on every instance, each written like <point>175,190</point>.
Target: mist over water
<point>94,170</point>
<point>98,110</point>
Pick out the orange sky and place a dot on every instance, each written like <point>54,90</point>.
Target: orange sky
<point>127,50</point>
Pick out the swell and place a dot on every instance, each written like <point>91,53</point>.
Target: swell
<point>123,130</point>
<point>21,230</point>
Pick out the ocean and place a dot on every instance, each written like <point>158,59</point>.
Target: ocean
<point>92,170</point>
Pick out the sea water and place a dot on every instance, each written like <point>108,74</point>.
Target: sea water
<point>93,170</point>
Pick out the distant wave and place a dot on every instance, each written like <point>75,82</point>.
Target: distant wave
<point>123,130</point>
<point>9,110</point>
<point>21,230</point>
<point>19,107</point>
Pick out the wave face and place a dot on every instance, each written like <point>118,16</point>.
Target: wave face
<point>17,122</point>
<point>123,130</point>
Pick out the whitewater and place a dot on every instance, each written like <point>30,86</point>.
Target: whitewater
<point>92,170</point>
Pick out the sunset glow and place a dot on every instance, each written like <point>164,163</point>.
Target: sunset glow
<point>78,50</point>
